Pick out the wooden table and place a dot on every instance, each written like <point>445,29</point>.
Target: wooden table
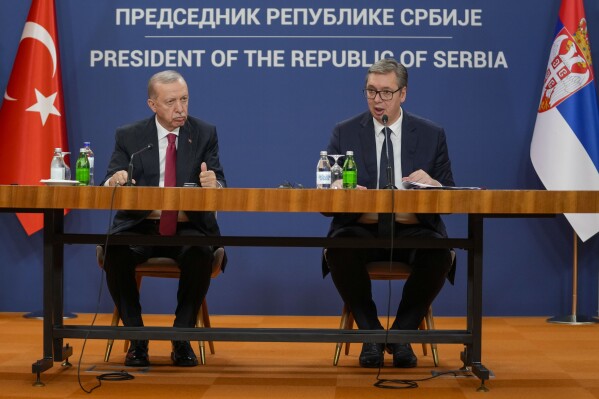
<point>477,204</point>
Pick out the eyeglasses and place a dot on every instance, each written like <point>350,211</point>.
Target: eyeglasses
<point>385,95</point>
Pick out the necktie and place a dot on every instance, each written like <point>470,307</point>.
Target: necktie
<point>386,222</point>
<point>168,219</point>
<point>383,181</point>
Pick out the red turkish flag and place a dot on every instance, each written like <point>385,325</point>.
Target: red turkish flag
<point>32,116</point>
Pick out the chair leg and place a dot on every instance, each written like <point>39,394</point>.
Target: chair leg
<point>206,318</point>
<point>423,326</point>
<point>349,326</point>
<point>345,316</point>
<point>109,344</point>
<point>200,324</point>
<point>204,321</point>
<point>430,322</point>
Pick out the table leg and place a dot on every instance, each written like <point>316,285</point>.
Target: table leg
<point>53,278</point>
<point>472,356</point>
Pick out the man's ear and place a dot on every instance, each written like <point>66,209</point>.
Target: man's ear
<point>152,105</point>
<point>404,93</point>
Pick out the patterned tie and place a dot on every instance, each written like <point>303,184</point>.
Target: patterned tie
<point>386,223</point>
<point>168,219</point>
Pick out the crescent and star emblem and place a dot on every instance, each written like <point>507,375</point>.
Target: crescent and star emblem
<point>45,104</point>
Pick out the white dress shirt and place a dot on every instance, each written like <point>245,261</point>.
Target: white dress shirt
<point>162,144</point>
<point>395,137</point>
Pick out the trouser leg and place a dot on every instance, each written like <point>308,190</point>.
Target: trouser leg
<point>120,265</point>
<point>349,274</point>
<point>430,268</point>
<point>196,269</point>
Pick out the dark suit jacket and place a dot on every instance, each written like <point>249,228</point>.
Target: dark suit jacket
<point>198,142</point>
<point>423,146</point>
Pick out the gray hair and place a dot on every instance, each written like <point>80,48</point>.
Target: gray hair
<point>387,65</point>
<point>163,77</point>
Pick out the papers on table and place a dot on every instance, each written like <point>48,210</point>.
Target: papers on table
<point>419,186</point>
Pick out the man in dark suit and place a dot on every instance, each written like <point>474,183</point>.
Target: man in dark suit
<point>179,149</point>
<point>418,152</point>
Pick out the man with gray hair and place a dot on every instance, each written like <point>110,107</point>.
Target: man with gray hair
<point>390,146</point>
<point>176,149</point>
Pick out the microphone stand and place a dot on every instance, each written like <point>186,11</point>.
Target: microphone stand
<point>130,172</point>
<point>130,168</point>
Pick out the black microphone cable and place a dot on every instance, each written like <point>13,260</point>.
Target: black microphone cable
<point>383,382</point>
<point>116,376</point>
<point>380,382</point>
<point>397,383</point>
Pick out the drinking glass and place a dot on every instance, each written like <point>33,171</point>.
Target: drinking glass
<point>336,173</point>
<point>67,169</point>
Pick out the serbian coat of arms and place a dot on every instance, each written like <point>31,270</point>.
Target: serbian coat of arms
<point>570,67</point>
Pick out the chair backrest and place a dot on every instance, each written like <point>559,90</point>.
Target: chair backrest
<point>217,264</point>
<point>100,255</point>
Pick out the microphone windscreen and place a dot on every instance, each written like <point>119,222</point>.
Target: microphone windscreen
<point>385,119</point>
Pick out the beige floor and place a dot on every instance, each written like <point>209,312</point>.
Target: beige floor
<point>529,358</point>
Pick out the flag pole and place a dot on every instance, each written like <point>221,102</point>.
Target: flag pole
<point>573,318</point>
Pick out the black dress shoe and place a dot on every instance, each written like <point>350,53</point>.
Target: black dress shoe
<point>403,356</point>
<point>182,354</point>
<point>371,355</point>
<point>137,355</point>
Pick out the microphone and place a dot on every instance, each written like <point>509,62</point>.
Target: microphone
<point>130,169</point>
<point>390,178</point>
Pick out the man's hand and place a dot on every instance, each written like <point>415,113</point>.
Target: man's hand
<point>420,176</point>
<point>119,179</point>
<point>207,177</point>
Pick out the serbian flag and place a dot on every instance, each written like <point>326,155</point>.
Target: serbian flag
<point>565,143</point>
<point>32,115</point>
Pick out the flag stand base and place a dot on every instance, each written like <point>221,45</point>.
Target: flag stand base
<point>40,315</point>
<point>573,319</point>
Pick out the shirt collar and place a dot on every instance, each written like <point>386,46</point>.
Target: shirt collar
<point>162,132</point>
<point>395,127</point>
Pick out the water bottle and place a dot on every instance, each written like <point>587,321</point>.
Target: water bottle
<point>323,171</point>
<point>82,168</point>
<point>90,158</point>
<point>57,169</point>
<point>350,171</point>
